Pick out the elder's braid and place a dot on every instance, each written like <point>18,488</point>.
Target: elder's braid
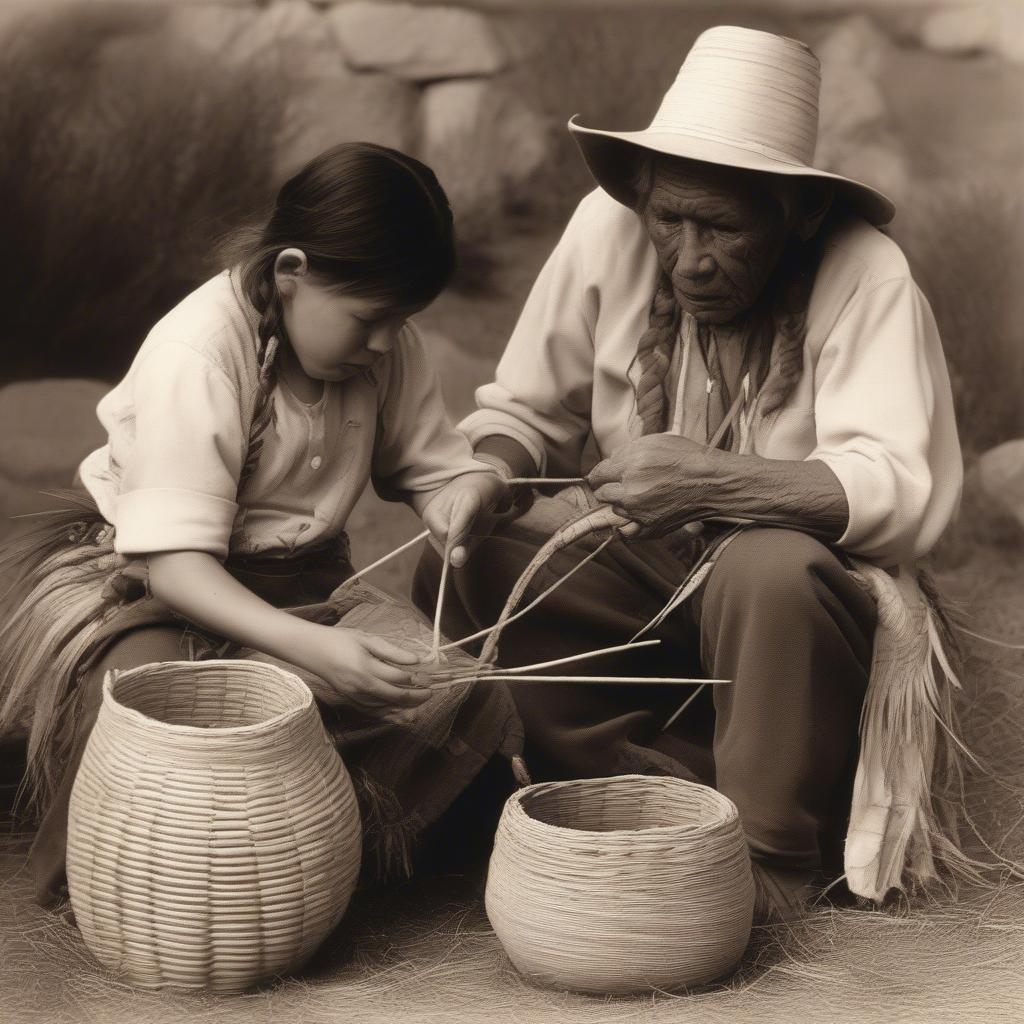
<point>654,356</point>
<point>268,333</point>
<point>792,294</point>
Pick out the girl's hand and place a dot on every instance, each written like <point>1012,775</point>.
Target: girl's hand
<point>362,670</point>
<point>452,513</point>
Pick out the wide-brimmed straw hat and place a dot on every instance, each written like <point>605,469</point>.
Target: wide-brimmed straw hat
<point>743,99</point>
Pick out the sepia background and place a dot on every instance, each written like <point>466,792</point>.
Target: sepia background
<point>137,134</point>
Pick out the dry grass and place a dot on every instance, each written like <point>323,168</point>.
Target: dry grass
<point>129,151</point>
<point>425,953</point>
<point>965,241</point>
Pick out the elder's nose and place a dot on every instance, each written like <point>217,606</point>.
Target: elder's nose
<point>693,261</point>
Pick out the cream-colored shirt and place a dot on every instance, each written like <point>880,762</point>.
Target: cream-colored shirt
<point>874,402</point>
<point>178,428</point>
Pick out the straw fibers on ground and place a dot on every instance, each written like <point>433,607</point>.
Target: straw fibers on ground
<point>424,952</point>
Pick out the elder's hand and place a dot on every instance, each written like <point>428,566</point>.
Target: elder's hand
<point>659,480</point>
<point>465,506</point>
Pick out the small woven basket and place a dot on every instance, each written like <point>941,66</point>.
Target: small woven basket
<point>213,837</point>
<point>621,885</point>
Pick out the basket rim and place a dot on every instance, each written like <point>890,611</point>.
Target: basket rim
<point>299,688</point>
<point>730,812</point>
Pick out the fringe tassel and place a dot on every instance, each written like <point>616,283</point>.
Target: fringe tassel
<point>901,829</point>
<point>389,831</point>
<point>51,611</point>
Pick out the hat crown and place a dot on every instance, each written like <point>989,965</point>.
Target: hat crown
<point>747,89</point>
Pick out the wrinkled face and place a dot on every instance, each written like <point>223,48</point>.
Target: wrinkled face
<point>718,234</point>
<point>337,334</point>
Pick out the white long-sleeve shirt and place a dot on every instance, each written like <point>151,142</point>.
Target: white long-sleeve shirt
<point>178,428</point>
<point>873,403</point>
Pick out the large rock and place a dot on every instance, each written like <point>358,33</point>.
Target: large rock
<point>218,29</point>
<point>48,427</point>
<point>854,41</point>
<point>487,147</point>
<point>419,43</point>
<point>855,137</point>
<point>991,27</point>
<point>879,161</point>
<point>324,101</point>
<point>290,28</point>
<point>343,106</point>
<point>849,101</point>
<point>1001,475</point>
<point>852,56</point>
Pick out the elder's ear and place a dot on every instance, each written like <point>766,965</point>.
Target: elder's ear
<point>289,266</point>
<point>815,201</point>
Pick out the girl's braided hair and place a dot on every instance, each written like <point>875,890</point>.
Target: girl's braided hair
<point>370,220</point>
<point>784,305</point>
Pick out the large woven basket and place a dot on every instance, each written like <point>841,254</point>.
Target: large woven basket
<point>214,838</point>
<point>622,884</point>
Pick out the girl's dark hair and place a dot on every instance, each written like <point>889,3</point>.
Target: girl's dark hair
<point>371,220</point>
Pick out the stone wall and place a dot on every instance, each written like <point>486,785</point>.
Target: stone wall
<point>144,137</point>
<point>483,94</point>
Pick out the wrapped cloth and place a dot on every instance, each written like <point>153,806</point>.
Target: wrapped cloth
<point>72,597</point>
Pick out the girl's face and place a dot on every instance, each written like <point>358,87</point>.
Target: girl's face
<point>334,334</point>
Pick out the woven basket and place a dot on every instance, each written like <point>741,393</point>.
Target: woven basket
<point>621,885</point>
<point>213,838</point>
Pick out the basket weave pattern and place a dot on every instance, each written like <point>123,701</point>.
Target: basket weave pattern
<point>214,838</point>
<point>621,884</point>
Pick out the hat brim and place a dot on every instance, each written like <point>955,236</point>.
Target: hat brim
<point>611,157</point>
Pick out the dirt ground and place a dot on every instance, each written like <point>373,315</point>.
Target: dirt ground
<point>424,952</point>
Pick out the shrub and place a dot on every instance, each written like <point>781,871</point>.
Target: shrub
<point>965,241</point>
<point>129,152</point>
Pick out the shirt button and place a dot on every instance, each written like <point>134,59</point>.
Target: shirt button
<point>316,462</point>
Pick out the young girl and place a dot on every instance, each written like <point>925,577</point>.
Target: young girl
<point>247,427</point>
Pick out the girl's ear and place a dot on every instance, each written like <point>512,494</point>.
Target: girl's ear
<point>289,266</point>
<point>816,201</point>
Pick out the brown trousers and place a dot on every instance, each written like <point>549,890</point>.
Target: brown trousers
<point>779,616</point>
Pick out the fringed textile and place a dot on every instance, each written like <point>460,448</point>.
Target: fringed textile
<point>67,582</point>
<point>72,596</point>
<point>900,829</point>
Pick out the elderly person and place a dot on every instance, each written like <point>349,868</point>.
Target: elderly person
<point>735,337</point>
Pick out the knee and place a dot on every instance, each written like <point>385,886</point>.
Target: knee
<point>776,569</point>
<point>143,646</point>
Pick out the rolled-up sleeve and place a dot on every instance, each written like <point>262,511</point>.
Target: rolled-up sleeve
<point>178,490</point>
<point>541,394</point>
<point>417,447</point>
<point>885,424</point>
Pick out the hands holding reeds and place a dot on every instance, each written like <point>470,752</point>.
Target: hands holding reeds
<point>664,481</point>
<point>470,504</point>
<point>659,480</point>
